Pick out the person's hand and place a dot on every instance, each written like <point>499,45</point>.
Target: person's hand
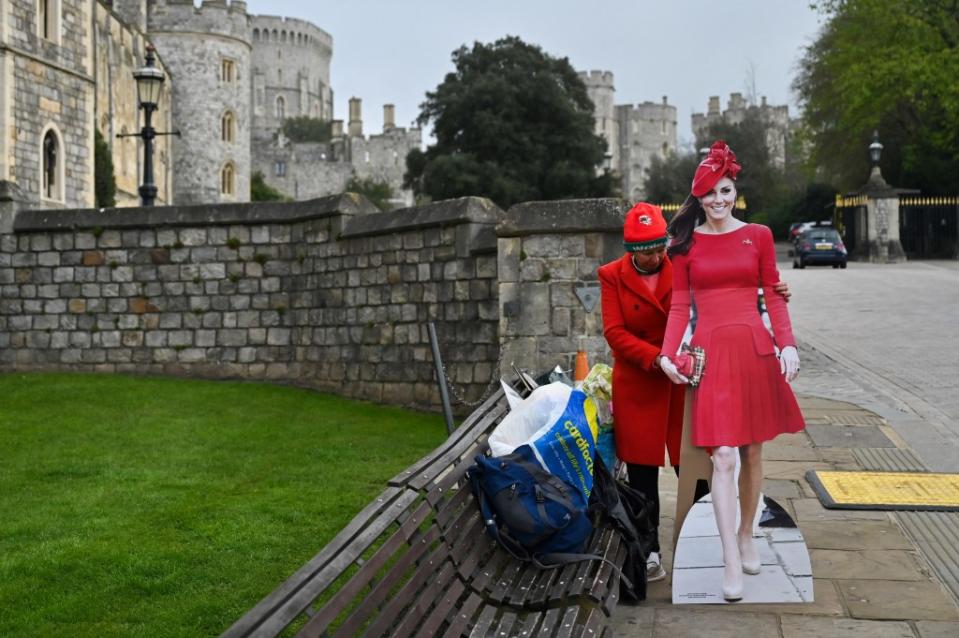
<point>782,289</point>
<point>670,370</point>
<point>789,362</point>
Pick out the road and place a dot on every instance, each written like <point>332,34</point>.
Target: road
<point>885,337</point>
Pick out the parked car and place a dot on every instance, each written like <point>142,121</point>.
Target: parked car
<point>819,246</point>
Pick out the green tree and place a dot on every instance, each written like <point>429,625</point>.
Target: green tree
<point>761,181</point>
<point>512,123</point>
<point>260,191</point>
<point>104,183</point>
<point>890,66</point>
<point>307,129</point>
<point>668,180</point>
<point>376,191</point>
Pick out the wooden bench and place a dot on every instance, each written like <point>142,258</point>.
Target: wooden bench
<point>417,562</point>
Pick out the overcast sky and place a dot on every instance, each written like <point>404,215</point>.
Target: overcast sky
<point>392,51</point>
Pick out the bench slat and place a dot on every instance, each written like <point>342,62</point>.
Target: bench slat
<point>272,614</point>
<point>361,579</point>
<point>445,611</point>
<point>381,591</point>
<point>459,625</point>
<point>429,597</point>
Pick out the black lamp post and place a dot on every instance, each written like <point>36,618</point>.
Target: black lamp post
<point>149,84</point>
<point>875,149</point>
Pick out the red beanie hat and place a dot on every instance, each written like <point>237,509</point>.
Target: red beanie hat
<point>644,228</point>
<point>719,163</point>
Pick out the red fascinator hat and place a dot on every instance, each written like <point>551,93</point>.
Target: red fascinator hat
<point>720,163</point>
<point>645,228</point>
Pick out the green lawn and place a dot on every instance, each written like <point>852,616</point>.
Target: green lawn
<point>137,506</point>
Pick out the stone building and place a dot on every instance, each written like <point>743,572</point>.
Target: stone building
<point>291,72</point>
<point>310,170</point>
<point>776,119</point>
<point>120,50</point>
<point>635,134</point>
<point>66,69</point>
<point>47,100</point>
<point>207,50</point>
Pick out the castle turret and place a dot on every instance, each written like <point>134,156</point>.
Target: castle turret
<point>355,128</point>
<point>601,90</point>
<point>389,117</point>
<point>207,50</point>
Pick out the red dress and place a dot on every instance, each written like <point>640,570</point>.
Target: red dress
<point>743,397</point>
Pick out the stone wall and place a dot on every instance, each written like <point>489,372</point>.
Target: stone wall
<point>547,251</point>
<point>323,293</point>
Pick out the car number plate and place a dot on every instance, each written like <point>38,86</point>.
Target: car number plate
<point>825,246</point>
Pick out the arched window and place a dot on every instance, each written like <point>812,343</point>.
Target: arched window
<point>256,35</point>
<point>51,166</point>
<point>228,180</point>
<point>48,20</point>
<point>283,37</point>
<point>275,37</point>
<point>280,107</point>
<point>227,70</point>
<point>228,127</point>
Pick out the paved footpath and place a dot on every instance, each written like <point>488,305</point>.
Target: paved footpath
<point>878,390</point>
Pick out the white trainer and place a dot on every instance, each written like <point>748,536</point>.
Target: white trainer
<point>654,568</point>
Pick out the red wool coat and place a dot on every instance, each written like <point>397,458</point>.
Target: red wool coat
<point>647,406</point>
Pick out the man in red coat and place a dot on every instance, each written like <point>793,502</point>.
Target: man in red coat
<point>647,406</point>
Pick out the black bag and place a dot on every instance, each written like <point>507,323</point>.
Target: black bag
<point>631,515</point>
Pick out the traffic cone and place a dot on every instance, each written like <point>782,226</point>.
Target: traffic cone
<point>582,366</point>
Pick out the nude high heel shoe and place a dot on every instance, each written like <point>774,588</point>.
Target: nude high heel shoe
<point>732,585</point>
<point>753,564</point>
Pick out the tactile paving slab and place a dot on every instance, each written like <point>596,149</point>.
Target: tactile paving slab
<point>923,491</point>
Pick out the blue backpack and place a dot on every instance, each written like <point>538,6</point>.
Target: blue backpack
<point>529,511</point>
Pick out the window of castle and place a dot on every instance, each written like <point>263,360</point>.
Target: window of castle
<point>279,168</point>
<point>283,37</point>
<point>228,127</point>
<point>227,175</point>
<point>48,20</point>
<point>51,167</point>
<point>280,108</point>
<point>256,35</point>
<point>275,38</point>
<point>227,70</point>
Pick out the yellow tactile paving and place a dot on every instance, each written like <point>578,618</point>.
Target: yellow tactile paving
<point>904,490</point>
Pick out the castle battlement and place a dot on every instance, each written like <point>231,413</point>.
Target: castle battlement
<point>597,78</point>
<point>218,17</point>
<point>298,32</point>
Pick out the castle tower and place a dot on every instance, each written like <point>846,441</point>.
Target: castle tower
<point>132,12</point>
<point>207,52</point>
<point>646,131</point>
<point>601,90</point>
<point>291,72</point>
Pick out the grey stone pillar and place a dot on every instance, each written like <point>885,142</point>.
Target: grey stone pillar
<point>547,258</point>
<point>882,220</point>
<point>12,200</point>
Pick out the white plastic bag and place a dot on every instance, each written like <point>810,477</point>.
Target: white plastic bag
<point>530,419</point>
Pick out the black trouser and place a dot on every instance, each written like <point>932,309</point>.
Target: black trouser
<point>645,479</point>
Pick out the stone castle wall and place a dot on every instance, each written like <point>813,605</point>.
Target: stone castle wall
<point>320,293</point>
<point>646,130</point>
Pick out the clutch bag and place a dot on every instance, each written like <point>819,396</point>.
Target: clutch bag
<point>691,363</point>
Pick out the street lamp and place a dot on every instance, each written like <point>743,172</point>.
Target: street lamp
<point>149,84</point>
<point>875,149</point>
